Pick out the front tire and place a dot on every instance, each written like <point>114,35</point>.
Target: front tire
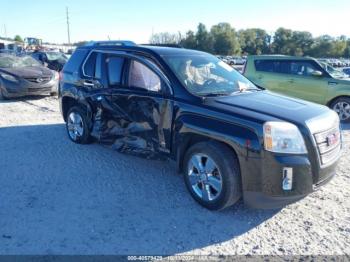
<point>212,175</point>
<point>2,96</point>
<point>342,107</point>
<point>77,125</point>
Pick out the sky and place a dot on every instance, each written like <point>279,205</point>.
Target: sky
<point>136,19</point>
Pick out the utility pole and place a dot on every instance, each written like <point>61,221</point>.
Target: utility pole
<point>67,14</point>
<point>5,30</point>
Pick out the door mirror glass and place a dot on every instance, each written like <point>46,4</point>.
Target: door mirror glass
<point>316,73</point>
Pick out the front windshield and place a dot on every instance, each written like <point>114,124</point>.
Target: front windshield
<point>207,75</point>
<point>8,61</point>
<point>55,56</point>
<point>332,71</point>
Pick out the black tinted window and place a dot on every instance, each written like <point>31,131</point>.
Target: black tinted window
<point>75,61</point>
<point>265,65</point>
<point>273,66</point>
<point>115,67</point>
<point>90,65</point>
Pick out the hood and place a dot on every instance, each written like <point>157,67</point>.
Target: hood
<point>28,72</point>
<point>266,105</point>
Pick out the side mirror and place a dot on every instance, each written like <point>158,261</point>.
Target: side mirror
<point>317,73</point>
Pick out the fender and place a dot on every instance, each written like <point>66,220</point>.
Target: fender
<point>242,140</point>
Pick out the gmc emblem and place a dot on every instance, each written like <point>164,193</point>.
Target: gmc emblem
<point>332,139</point>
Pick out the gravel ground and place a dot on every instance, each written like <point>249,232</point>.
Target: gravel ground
<point>60,198</point>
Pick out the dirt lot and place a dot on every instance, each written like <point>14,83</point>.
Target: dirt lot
<point>60,198</point>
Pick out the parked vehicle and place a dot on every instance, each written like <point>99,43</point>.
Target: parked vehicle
<point>32,43</point>
<point>301,77</point>
<point>22,76</point>
<point>53,60</point>
<point>236,61</point>
<point>229,137</point>
<point>346,70</point>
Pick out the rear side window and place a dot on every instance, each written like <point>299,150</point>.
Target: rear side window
<point>75,60</point>
<point>115,68</point>
<point>90,65</point>
<point>273,66</point>
<point>265,65</point>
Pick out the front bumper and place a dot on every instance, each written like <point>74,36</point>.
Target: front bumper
<point>25,88</point>
<point>267,191</point>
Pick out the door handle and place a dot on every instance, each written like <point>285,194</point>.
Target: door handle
<point>290,81</point>
<point>260,77</point>
<point>88,83</point>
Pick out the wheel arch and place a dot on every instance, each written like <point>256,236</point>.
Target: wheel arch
<point>335,98</point>
<point>68,102</point>
<point>191,138</point>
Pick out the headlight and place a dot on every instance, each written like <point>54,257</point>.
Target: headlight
<point>55,75</point>
<point>283,137</point>
<point>8,77</point>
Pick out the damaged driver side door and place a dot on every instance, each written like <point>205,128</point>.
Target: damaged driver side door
<point>138,115</point>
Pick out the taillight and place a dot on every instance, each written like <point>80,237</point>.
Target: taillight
<point>60,76</point>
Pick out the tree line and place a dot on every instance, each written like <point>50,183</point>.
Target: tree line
<point>223,39</point>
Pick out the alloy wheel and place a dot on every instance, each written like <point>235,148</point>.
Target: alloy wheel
<point>205,177</point>
<point>343,110</point>
<point>75,125</point>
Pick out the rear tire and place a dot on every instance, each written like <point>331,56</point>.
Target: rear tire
<point>77,125</point>
<point>218,184</point>
<point>342,107</point>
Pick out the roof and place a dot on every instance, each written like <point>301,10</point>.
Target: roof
<point>160,50</point>
<point>279,57</point>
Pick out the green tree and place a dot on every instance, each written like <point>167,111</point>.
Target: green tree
<point>203,39</point>
<point>189,41</point>
<point>282,41</point>
<point>301,43</point>
<point>322,46</point>
<point>18,38</point>
<point>254,41</point>
<point>338,48</point>
<point>225,40</point>
<point>347,49</point>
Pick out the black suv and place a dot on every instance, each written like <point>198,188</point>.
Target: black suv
<point>229,138</point>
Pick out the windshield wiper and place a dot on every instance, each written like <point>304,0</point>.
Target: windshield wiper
<point>214,94</point>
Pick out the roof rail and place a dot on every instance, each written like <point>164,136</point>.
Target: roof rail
<point>111,43</point>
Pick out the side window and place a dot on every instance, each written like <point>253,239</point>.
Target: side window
<point>302,68</point>
<point>265,66</point>
<point>115,69</point>
<point>142,77</point>
<point>90,65</point>
<point>284,67</point>
<point>273,66</point>
<point>75,60</point>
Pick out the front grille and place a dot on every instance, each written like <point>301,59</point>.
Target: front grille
<point>38,80</point>
<point>39,89</point>
<point>328,145</point>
